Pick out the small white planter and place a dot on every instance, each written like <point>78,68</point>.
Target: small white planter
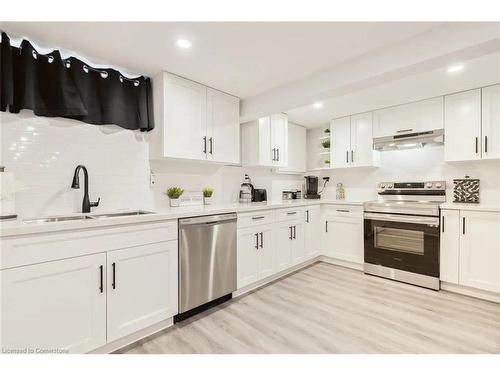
<point>174,202</point>
<point>207,200</point>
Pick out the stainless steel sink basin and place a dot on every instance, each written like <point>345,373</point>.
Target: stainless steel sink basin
<point>119,214</point>
<point>55,219</point>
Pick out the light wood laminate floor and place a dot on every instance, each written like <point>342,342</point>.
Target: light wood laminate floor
<point>330,309</point>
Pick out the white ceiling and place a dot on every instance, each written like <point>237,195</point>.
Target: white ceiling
<point>244,59</point>
<point>478,72</point>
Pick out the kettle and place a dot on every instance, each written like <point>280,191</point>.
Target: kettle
<point>246,190</point>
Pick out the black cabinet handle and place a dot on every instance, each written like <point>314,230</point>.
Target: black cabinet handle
<point>211,141</point>
<point>463,225</point>
<point>404,130</point>
<point>257,241</point>
<point>326,226</point>
<point>340,210</point>
<point>113,283</point>
<point>477,145</point>
<point>347,156</point>
<point>277,154</point>
<point>101,274</point>
<point>291,213</point>
<point>205,145</point>
<point>291,236</point>
<point>442,224</point>
<point>352,156</point>
<point>485,143</point>
<point>261,240</point>
<point>307,216</point>
<point>294,232</point>
<point>274,154</point>
<point>257,217</point>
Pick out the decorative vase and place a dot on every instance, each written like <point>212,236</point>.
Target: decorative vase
<point>174,202</point>
<point>207,200</point>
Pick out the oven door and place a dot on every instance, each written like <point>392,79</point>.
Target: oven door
<point>404,242</point>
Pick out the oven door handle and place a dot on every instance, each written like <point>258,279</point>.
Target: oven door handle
<point>402,218</point>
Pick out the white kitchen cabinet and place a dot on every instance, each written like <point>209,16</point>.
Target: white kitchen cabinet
<point>265,141</point>
<point>193,121</point>
<point>312,230</point>
<point>296,150</point>
<point>284,238</point>
<point>255,259</point>
<point>55,305</point>
<point>298,242</point>
<point>343,235</point>
<point>449,246</point>
<point>223,127</point>
<point>141,288</point>
<point>409,118</point>
<point>462,129</point>
<point>480,250</point>
<point>352,142</point>
<point>490,122</point>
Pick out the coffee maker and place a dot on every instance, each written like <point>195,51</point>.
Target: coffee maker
<point>311,188</point>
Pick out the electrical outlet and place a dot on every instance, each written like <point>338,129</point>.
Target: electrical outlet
<point>152,179</point>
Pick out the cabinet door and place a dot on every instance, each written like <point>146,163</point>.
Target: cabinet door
<point>279,138</point>
<point>480,250</point>
<point>142,287</point>
<point>55,305</point>
<point>362,153</point>
<point>223,127</point>
<point>429,114</point>
<point>283,251</point>
<point>394,120</point>
<point>298,243</point>
<point>462,126</point>
<point>449,247</point>
<point>491,122</point>
<point>296,148</point>
<point>248,256</point>
<point>266,252</point>
<point>312,231</point>
<point>340,142</point>
<point>266,154</point>
<point>344,238</point>
<point>185,118</point>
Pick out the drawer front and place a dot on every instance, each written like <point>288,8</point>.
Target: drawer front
<point>36,248</point>
<point>290,214</point>
<point>249,219</point>
<point>343,210</point>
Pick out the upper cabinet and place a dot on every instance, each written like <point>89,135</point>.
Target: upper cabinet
<point>352,142</point>
<point>462,129</point>
<point>409,118</point>
<point>471,124</point>
<point>265,141</point>
<point>296,150</point>
<point>194,122</point>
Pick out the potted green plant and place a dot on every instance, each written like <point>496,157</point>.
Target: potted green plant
<point>207,195</point>
<point>326,143</point>
<point>174,193</point>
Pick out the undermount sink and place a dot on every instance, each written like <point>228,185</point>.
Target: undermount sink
<point>54,219</point>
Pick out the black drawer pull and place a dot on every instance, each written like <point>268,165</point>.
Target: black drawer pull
<point>463,226</point>
<point>326,226</point>
<point>477,147</point>
<point>442,224</point>
<point>113,284</point>
<point>291,213</point>
<point>257,217</point>
<point>339,210</point>
<point>101,275</point>
<point>307,216</point>
<point>261,240</point>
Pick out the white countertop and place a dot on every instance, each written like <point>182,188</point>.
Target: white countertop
<point>470,206</point>
<point>17,227</point>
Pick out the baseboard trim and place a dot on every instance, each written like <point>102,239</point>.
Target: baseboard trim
<point>133,338</point>
<point>248,288</point>
<point>470,292</point>
<point>342,263</point>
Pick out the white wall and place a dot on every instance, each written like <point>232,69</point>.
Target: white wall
<point>416,165</point>
<point>43,152</point>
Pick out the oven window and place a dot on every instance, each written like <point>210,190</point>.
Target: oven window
<point>403,240</point>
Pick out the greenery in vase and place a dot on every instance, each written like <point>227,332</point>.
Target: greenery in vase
<point>326,143</point>
<point>207,192</point>
<point>327,130</point>
<point>174,192</point>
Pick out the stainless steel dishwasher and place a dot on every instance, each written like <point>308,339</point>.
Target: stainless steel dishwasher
<point>207,262</point>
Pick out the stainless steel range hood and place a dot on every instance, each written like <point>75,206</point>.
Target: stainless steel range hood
<point>408,141</point>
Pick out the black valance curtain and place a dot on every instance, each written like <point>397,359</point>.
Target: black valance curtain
<point>70,88</point>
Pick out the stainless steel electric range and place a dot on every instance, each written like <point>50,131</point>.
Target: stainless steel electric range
<point>401,232</point>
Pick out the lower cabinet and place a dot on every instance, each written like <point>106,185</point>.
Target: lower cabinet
<point>141,289</point>
<point>290,249</point>
<point>343,237</point>
<point>449,246</point>
<point>256,254</point>
<point>480,250</point>
<point>312,230</point>
<point>58,305</point>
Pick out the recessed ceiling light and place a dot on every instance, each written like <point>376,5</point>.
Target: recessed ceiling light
<point>318,104</point>
<point>455,68</point>
<point>183,43</point>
